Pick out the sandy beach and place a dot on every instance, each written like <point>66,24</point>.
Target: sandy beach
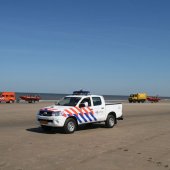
<point>139,142</point>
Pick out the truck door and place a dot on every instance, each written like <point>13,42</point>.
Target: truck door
<point>98,108</point>
<point>86,113</point>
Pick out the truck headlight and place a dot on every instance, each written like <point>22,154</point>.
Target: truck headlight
<point>59,113</point>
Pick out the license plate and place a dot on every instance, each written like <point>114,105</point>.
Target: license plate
<point>44,122</point>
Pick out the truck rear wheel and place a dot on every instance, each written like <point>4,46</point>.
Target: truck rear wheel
<point>110,121</point>
<point>70,126</point>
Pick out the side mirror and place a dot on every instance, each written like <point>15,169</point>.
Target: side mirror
<point>82,105</point>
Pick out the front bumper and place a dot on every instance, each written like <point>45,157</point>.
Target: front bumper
<point>54,121</point>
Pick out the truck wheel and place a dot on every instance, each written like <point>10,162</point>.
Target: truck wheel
<point>110,121</point>
<point>70,126</point>
<point>11,101</point>
<point>46,128</point>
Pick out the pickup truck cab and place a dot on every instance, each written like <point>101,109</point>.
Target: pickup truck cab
<point>79,108</point>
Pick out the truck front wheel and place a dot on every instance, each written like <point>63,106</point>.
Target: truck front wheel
<point>110,121</point>
<point>70,126</point>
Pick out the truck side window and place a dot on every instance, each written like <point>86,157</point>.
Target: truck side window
<point>87,100</point>
<point>96,101</point>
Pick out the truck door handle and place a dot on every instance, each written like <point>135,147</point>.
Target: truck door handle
<point>102,108</point>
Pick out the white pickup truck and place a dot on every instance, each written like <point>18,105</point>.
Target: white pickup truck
<point>79,108</point>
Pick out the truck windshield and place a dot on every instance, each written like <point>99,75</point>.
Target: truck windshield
<point>69,101</point>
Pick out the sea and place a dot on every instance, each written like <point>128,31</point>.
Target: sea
<point>53,96</point>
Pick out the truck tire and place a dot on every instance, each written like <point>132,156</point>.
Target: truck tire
<point>11,101</point>
<point>110,121</point>
<point>70,126</point>
<point>46,128</point>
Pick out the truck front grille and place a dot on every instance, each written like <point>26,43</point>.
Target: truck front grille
<point>45,113</point>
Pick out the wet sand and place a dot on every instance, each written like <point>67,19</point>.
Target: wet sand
<point>139,142</point>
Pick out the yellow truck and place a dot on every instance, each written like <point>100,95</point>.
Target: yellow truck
<point>138,97</point>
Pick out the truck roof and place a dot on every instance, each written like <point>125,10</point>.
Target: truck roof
<point>83,96</point>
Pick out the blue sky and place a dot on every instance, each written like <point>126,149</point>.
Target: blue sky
<point>105,46</point>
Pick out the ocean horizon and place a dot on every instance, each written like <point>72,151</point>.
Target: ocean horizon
<point>57,96</point>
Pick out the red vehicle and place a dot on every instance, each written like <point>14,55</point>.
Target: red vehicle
<point>8,97</point>
<point>30,99</point>
<point>153,99</point>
